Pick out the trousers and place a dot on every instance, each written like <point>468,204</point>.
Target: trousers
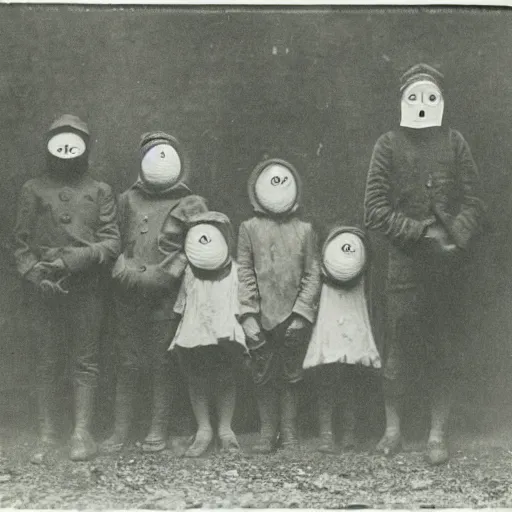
<point>68,326</point>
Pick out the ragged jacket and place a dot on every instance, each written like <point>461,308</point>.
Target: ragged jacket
<point>418,177</point>
<point>278,265</point>
<point>153,229</point>
<point>76,222</point>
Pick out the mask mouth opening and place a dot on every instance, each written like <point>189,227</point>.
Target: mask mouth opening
<point>422,113</point>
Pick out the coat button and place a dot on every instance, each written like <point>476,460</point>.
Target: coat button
<point>65,218</point>
<point>143,268</point>
<point>64,196</point>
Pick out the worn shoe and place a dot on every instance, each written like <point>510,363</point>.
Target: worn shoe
<point>113,444</point>
<point>44,448</point>
<point>264,445</point>
<point>229,442</point>
<point>154,442</point>
<point>348,441</point>
<point>289,438</point>
<point>389,445</point>
<point>201,443</point>
<point>82,446</point>
<point>437,453</point>
<point>326,444</point>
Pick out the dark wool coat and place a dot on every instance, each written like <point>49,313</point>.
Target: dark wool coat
<point>417,177</point>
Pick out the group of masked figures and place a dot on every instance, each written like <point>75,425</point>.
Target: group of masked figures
<point>285,306</point>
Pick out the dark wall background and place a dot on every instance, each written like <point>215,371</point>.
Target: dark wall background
<point>316,87</point>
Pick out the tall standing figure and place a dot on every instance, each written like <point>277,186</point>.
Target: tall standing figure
<point>422,195</point>
<point>66,231</point>
<point>154,217</point>
<point>279,274</point>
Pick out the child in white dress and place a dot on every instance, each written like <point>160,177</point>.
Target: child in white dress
<point>342,336</point>
<point>209,339</point>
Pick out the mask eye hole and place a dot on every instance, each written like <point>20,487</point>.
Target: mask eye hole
<point>205,239</point>
<point>276,180</point>
<point>162,154</point>
<point>347,248</point>
<point>432,98</point>
<point>412,97</point>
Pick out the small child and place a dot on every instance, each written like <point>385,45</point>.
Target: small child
<point>209,340</point>
<point>279,289</point>
<point>342,336</point>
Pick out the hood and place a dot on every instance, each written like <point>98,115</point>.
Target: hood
<point>67,168</point>
<point>333,233</point>
<point>148,140</point>
<point>252,184</point>
<point>221,222</point>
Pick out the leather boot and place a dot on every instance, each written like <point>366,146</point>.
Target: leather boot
<point>289,405</point>
<point>47,441</point>
<point>125,391</point>
<point>268,406</point>
<point>156,440</point>
<point>82,445</point>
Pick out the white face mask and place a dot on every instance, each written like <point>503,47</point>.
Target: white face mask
<point>422,105</point>
<point>161,166</point>
<point>66,145</point>
<point>345,257</point>
<point>206,247</point>
<point>276,189</point>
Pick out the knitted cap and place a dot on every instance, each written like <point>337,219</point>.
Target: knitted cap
<point>420,72</point>
<point>151,139</point>
<point>69,121</point>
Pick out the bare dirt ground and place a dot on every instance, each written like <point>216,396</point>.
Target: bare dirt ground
<point>478,475</point>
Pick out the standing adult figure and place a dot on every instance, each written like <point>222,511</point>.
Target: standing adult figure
<point>422,194</point>
<point>66,233</point>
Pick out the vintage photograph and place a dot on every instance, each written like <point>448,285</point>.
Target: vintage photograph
<point>255,257</point>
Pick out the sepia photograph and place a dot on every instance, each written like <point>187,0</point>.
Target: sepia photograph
<point>255,256</point>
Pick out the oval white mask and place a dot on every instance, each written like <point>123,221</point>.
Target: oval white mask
<point>66,145</point>
<point>206,247</point>
<point>345,257</point>
<point>422,105</point>
<point>161,166</point>
<point>276,189</point>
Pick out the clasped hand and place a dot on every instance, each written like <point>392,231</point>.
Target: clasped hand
<point>44,276</point>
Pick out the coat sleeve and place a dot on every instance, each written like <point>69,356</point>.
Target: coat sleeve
<point>171,244</point>
<point>379,212</point>
<point>248,293</point>
<point>306,304</point>
<point>26,215</point>
<point>108,240</point>
<point>469,219</point>
<point>172,239</point>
